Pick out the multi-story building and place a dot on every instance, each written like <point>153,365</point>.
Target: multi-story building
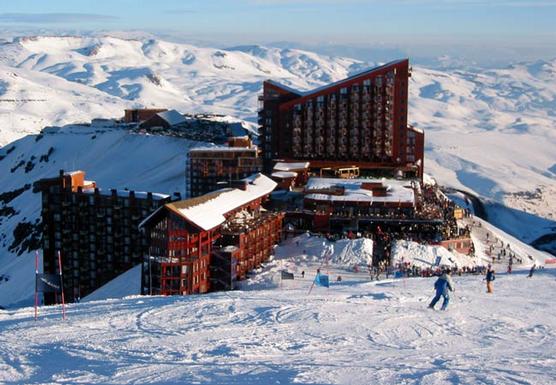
<point>213,168</point>
<point>96,231</point>
<point>359,121</point>
<point>206,242</point>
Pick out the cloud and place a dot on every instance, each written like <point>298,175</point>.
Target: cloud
<point>54,17</point>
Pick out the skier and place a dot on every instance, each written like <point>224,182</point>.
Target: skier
<point>532,270</point>
<point>443,286</point>
<point>489,278</point>
<point>303,274</point>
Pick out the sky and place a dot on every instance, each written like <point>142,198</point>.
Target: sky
<point>472,28</point>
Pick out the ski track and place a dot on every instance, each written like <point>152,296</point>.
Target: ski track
<point>352,333</point>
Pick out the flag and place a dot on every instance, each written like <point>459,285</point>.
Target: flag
<point>48,283</point>
<point>286,275</point>
<point>322,280</point>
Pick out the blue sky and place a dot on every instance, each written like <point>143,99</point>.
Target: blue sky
<point>435,25</point>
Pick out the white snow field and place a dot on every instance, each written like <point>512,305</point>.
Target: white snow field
<point>354,332</point>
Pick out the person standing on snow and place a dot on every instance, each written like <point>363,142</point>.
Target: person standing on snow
<point>489,278</point>
<point>532,271</point>
<point>443,286</point>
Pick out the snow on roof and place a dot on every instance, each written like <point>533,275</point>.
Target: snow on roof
<point>125,193</point>
<point>284,174</point>
<point>286,166</point>
<point>285,87</point>
<point>173,117</point>
<point>223,148</point>
<point>208,211</point>
<point>397,191</point>
<point>75,172</point>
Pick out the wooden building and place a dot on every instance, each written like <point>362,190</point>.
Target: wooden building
<point>164,120</point>
<point>138,115</point>
<point>96,231</point>
<point>184,236</point>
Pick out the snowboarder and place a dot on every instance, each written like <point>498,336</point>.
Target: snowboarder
<point>532,270</point>
<point>489,279</point>
<point>443,286</point>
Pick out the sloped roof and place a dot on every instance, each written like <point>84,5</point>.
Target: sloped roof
<point>173,117</point>
<point>209,210</point>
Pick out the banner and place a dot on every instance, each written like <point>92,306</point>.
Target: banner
<point>286,275</point>
<point>48,283</point>
<point>437,261</point>
<point>322,280</point>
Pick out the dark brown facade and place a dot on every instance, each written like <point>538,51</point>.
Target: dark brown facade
<point>95,231</point>
<point>359,121</point>
<point>213,168</point>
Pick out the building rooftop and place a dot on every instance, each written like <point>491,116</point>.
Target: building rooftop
<point>223,149</point>
<point>359,190</point>
<point>209,210</point>
<point>294,166</point>
<point>126,193</point>
<point>173,117</point>
<point>284,174</point>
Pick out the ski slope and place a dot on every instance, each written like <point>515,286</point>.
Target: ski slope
<point>355,332</point>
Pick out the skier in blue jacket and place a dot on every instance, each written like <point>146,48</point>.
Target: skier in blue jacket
<point>443,286</point>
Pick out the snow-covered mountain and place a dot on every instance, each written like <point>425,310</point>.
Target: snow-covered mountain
<point>491,133</point>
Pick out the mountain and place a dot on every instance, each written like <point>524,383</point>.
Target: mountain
<point>61,80</point>
<point>491,133</point>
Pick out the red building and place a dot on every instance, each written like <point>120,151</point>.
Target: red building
<point>359,121</point>
<point>212,168</point>
<point>185,235</point>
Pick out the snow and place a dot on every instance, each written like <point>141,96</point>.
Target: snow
<point>284,174</point>
<point>125,193</point>
<point>355,332</point>
<point>223,148</point>
<point>425,256</point>
<point>397,191</point>
<point>210,213</point>
<point>173,117</point>
<point>124,285</point>
<point>291,166</point>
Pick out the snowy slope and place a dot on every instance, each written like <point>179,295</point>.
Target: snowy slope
<point>124,285</point>
<point>491,132</point>
<point>352,333</point>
